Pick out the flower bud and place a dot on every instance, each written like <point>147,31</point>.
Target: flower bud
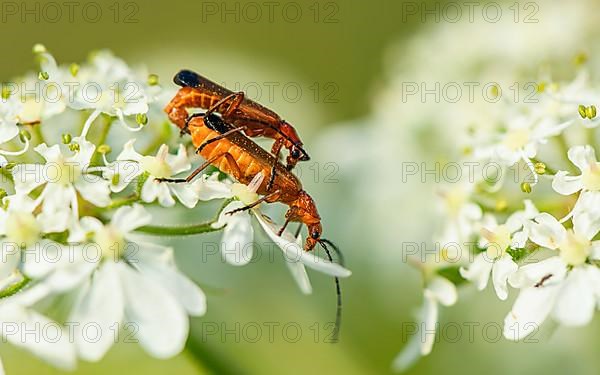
<point>74,69</point>
<point>540,168</point>
<point>141,118</point>
<point>66,138</point>
<point>582,111</point>
<point>104,149</point>
<point>153,79</point>
<point>590,112</point>
<point>39,48</point>
<point>24,136</point>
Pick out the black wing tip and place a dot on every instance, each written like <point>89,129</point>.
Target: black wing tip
<point>187,78</point>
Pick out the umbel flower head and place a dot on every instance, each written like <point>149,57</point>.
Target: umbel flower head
<point>75,220</point>
<point>535,235</point>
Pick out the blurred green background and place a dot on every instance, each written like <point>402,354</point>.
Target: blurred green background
<point>339,67</point>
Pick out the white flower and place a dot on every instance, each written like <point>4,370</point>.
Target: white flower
<point>238,234</point>
<point>55,89</point>
<point>588,183</point>
<point>438,291</point>
<point>521,141</point>
<point>19,229</point>
<point>10,109</point>
<point>461,214</point>
<point>109,86</point>
<point>549,288</point>
<point>63,177</point>
<point>24,327</point>
<point>584,158</point>
<point>130,165</point>
<point>565,286</point>
<point>497,239</point>
<point>134,282</point>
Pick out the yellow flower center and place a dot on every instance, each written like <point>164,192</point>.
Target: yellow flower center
<point>516,139</point>
<point>591,177</point>
<point>157,167</point>
<point>111,242</point>
<point>62,172</point>
<point>455,199</point>
<point>22,229</point>
<point>575,249</point>
<point>499,240</point>
<point>243,193</point>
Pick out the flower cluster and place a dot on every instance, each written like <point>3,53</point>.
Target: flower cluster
<point>531,227</point>
<point>73,220</point>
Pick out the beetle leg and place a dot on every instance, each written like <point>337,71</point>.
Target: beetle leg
<point>254,204</point>
<point>275,151</point>
<point>185,128</point>
<point>234,101</point>
<point>287,221</point>
<point>230,159</point>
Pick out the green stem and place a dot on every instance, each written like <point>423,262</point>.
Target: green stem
<point>103,135</point>
<point>14,288</point>
<point>183,230</point>
<point>186,230</point>
<point>123,202</point>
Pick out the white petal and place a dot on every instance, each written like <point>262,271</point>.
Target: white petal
<point>185,193</point>
<point>531,274</point>
<point>94,190</point>
<point>41,336</point>
<point>127,170</point>
<point>503,268</point>
<point>582,156</point>
<point>429,322</point>
<point>586,214</point>
<point>99,313</point>
<point>129,218</point>
<point>236,243</point>
<point>188,294</point>
<point>161,323</point>
<point>478,271</point>
<point>150,190</point>
<point>409,355</point>
<point>67,268</point>
<point>576,301</point>
<point>82,158</point>
<point>129,152</point>
<point>208,188</point>
<point>28,177</point>
<point>547,231</point>
<point>50,154</point>
<point>180,162</point>
<point>564,184</point>
<point>295,253</point>
<point>164,195</point>
<point>8,130</point>
<point>519,239</point>
<point>11,257</point>
<point>299,274</point>
<point>443,290</point>
<point>529,311</point>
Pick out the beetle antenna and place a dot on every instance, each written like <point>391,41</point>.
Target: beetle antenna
<point>336,249</point>
<point>338,291</point>
<point>298,230</point>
